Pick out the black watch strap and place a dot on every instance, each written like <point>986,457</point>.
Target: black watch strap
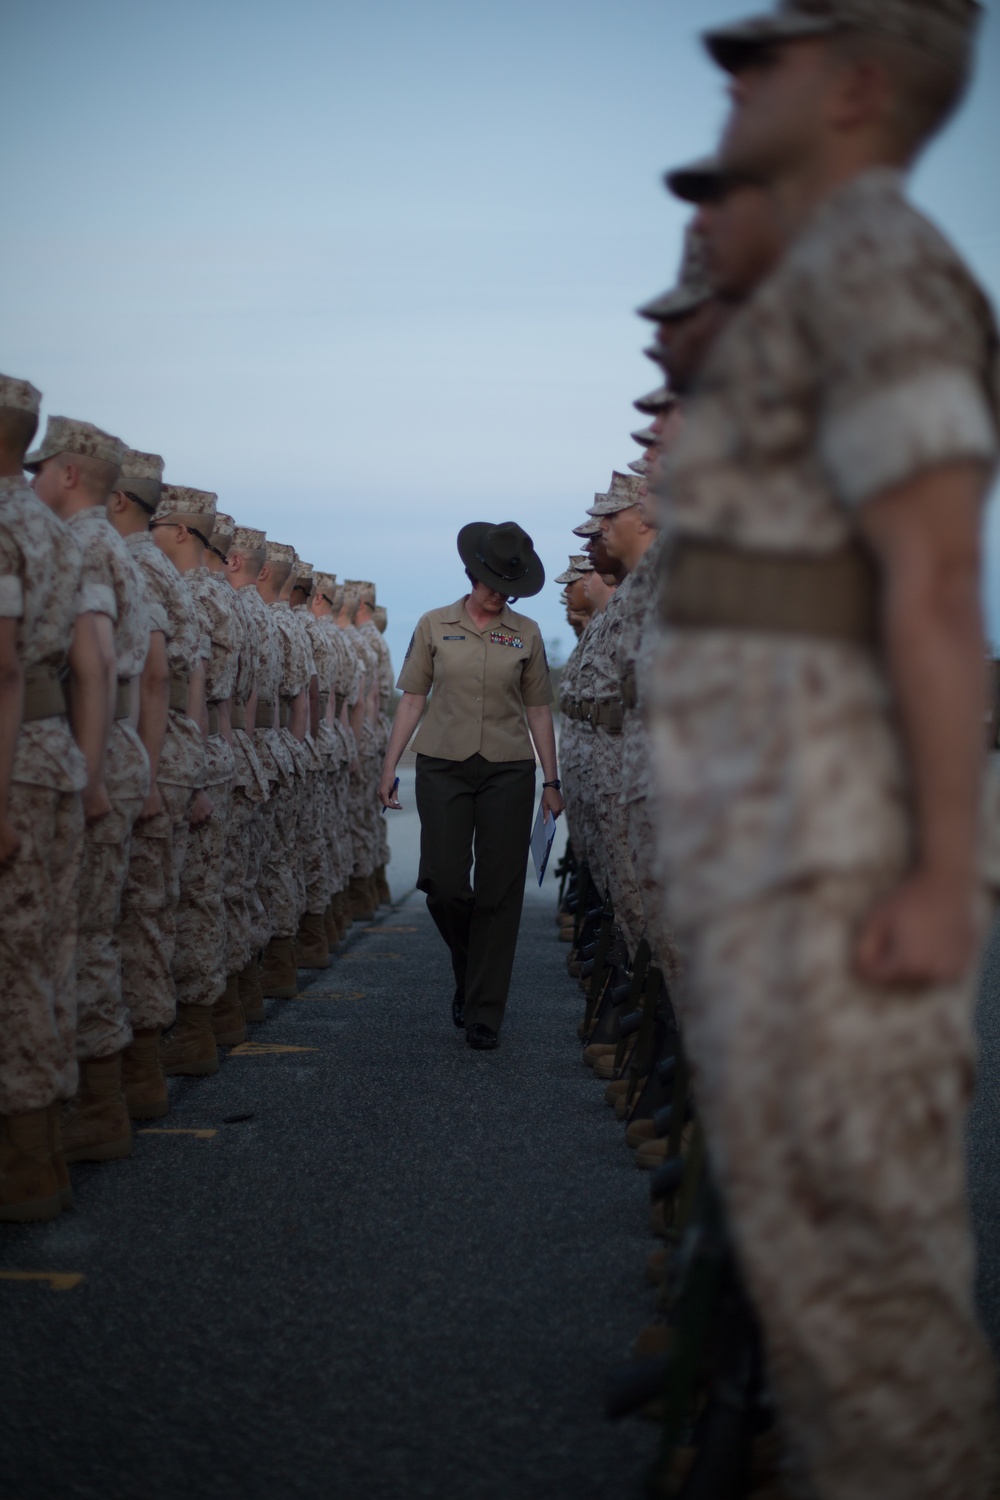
<point>555,785</point>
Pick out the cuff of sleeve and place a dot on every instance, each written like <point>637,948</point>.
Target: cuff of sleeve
<point>11,597</point>
<point>97,599</point>
<point>935,417</point>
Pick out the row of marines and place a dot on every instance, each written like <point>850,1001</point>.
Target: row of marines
<point>191,725</point>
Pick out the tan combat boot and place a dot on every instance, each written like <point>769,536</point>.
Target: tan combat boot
<point>639,1132</point>
<point>251,994</point>
<point>361,900</point>
<point>29,1186</point>
<point>144,1082</point>
<point>597,1050</point>
<point>330,923</point>
<point>278,980</point>
<point>190,1048</point>
<point>95,1125</point>
<point>382,886</point>
<point>313,949</point>
<point>53,1120</point>
<point>228,1024</point>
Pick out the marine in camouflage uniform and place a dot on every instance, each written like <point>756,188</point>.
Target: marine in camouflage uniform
<point>273,910</point>
<point>40,572</point>
<point>385,681</point>
<point>76,466</point>
<point>249,790</point>
<point>362,898</point>
<point>150,900</point>
<point>833,1105</point>
<point>184,520</point>
<point>331,742</point>
<point>346,690</point>
<point>570,760</point>
<point>321,862</point>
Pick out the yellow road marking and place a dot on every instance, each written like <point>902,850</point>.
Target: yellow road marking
<point>203,1135</point>
<point>265,1049</point>
<point>59,1281</point>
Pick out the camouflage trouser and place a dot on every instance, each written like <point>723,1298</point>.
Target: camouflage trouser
<point>312,834</point>
<point>642,843</point>
<point>362,832</point>
<point>612,819</point>
<point>258,851</point>
<point>835,1114</point>
<point>239,943</point>
<point>148,927</point>
<point>593,838</point>
<point>200,959</point>
<point>298,815</point>
<point>570,763</point>
<point>279,886</point>
<point>38,915</point>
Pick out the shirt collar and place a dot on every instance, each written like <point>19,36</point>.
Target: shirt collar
<point>456,614</point>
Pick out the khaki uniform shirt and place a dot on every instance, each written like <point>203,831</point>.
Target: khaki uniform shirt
<point>867,359</point>
<point>482,680</point>
<point>182,759</point>
<point>40,572</point>
<point>112,585</point>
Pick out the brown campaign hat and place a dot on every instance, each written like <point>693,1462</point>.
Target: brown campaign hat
<point>503,557</point>
<point>945,29</point>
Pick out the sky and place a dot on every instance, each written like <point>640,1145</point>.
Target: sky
<point>369,271</point>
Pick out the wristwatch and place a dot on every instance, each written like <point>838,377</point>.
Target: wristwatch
<point>555,785</point>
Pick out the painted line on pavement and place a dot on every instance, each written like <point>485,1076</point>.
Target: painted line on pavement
<point>59,1281</point>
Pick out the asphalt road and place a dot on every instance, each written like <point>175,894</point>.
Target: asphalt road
<point>362,1260</point>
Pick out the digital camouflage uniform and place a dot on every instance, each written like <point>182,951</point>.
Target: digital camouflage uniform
<point>603,688</point>
<point>637,781</point>
<point>362,831</point>
<point>249,791</point>
<point>276,890</point>
<point>346,688</point>
<point>40,573</point>
<point>201,964</point>
<point>386,681</point>
<point>112,585</point>
<point>834,1112</point>
<point>332,750</point>
<point>150,900</point>
<point>297,667</point>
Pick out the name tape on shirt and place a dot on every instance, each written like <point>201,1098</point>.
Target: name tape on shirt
<point>504,638</point>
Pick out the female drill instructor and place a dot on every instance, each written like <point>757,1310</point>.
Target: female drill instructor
<point>475,766</point>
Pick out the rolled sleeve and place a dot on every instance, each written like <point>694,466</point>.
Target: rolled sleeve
<point>934,417</point>
<point>417,674</point>
<point>96,599</point>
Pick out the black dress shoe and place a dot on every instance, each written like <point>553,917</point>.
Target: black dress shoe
<point>482,1038</point>
<point>458,1009</point>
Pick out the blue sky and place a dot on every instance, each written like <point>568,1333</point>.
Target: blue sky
<point>369,271</point>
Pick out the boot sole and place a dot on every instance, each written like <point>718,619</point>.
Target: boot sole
<point>33,1212</point>
<point>281,992</point>
<point>231,1038</point>
<point>148,1111</point>
<point>191,1070</point>
<point>313,963</point>
<point>110,1151</point>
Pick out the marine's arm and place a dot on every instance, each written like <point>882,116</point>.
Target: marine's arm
<point>544,736</point>
<point>926,536</point>
<point>11,709</point>
<point>408,713</point>
<point>154,708</point>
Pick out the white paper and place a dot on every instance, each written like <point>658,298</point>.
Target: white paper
<point>542,836</point>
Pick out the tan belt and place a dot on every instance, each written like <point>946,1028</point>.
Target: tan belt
<point>630,693</point>
<point>708,586</point>
<point>123,699</point>
<point>572,710</point>
<point>44,695</point>
<point>609,716</point>
<point>265,714</point>
<point>180,687</point>
<point>284,714</point>
<point>213,718</point>
<point>238,715</point>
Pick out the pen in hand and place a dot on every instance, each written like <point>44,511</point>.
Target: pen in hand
<point>395,789</point>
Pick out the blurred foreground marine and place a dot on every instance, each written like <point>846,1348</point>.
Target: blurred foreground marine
<point>816,723</point>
